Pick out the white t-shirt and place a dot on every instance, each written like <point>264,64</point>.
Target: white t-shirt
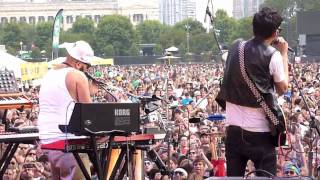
<point>254,119</point>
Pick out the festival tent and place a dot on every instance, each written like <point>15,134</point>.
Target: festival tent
<point>168,57</point>
<point>11,62</point>
<point>172,49</point>
<point>59,60</point>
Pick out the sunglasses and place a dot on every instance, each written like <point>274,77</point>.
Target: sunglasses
<point>289,173</point>
<point>192,152</point>
<point>279,30</point>
<point>178,173</point>
<point>29,165</point>
<point>147,163</point>
<point>23,147</point>
<point>32,154</point>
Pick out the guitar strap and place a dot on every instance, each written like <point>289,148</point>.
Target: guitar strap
<point>253,87</point>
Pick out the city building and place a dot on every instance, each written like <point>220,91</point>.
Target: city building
<point>139,10</point>
<point>245,8</point>
<point>34,11</point>
<point>173,11</point>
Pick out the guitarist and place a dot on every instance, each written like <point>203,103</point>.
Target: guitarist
<point>248,130</point>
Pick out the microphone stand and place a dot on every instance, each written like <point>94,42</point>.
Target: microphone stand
<point>214,31</point>
<point>169,130</point>
<point>312,124</point>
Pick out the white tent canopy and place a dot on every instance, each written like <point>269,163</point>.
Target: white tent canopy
<point>11,62</point>
<point>172,49</point>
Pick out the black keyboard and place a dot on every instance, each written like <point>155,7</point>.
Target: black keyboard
<point>23,130</point>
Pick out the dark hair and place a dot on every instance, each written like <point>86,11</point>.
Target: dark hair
<point>265,22</point>
<point>199,159</point>
<point>153,173</point>
<point>43,158</point>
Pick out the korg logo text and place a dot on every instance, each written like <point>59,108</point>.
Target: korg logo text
<point>122,112</point>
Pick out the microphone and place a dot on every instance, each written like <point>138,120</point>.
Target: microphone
<point>207,9</point>
<point>94,80</point>
<point>216,117</point>
<point>205,15</point>
<point>208,12</point>
<point>289,48</point>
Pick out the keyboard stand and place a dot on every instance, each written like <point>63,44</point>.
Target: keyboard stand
<point>10,151</point>
<point>126,155</point>
<point>81,165</point>
<point>7,156</point>
<point>95,157</point>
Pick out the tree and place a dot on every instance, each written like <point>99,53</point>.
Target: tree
<point>243,29</point>
<point>83,25</point>
<point>173,37</point>
<point>117,31</point>
<point>195,27</point>
<point>73,37</point>
<point>288,9</point>
<point>225,26</point>
<point>308,5</point>
<point>12,37</point>
<point>28,34</point>
<point>149,31</point>
<point>43,40</point>
<point>280,6</point>
<point>36,53</point>
<point>202,42</point>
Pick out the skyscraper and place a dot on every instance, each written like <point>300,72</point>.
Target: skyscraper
<point>173,11</point>
<point>245,8</point>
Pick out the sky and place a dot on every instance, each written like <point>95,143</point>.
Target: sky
<point>217,4</point>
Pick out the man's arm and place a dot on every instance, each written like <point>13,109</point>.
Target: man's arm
<point>78,86</point>
<point>279,67</point>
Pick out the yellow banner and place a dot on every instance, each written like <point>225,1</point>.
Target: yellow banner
<point>30,71</point>
<point>100,61</point>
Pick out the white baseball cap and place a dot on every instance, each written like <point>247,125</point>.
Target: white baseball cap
<point>80,51</point>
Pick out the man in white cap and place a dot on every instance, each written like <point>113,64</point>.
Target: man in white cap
<point>61,87</point>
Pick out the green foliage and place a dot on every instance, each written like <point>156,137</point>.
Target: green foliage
<point>83,25</point>
<point>115,30</point>
<point>43,39</point>
<point>12,36</point>
<point>201,43</point>
<point>308,5</point>
<point>280,6</point>
<point>36,53</point>
<point>195,27</point>
<point>158,49</point>
<point>108,50</point>
<point>225,27</point>
<point>134,50</point>
<point>28,34</point>
<point>149,31</point>
<point>243,29</point>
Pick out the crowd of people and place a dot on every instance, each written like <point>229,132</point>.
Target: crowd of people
<point>180,101</point>
<point>185,92</point>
